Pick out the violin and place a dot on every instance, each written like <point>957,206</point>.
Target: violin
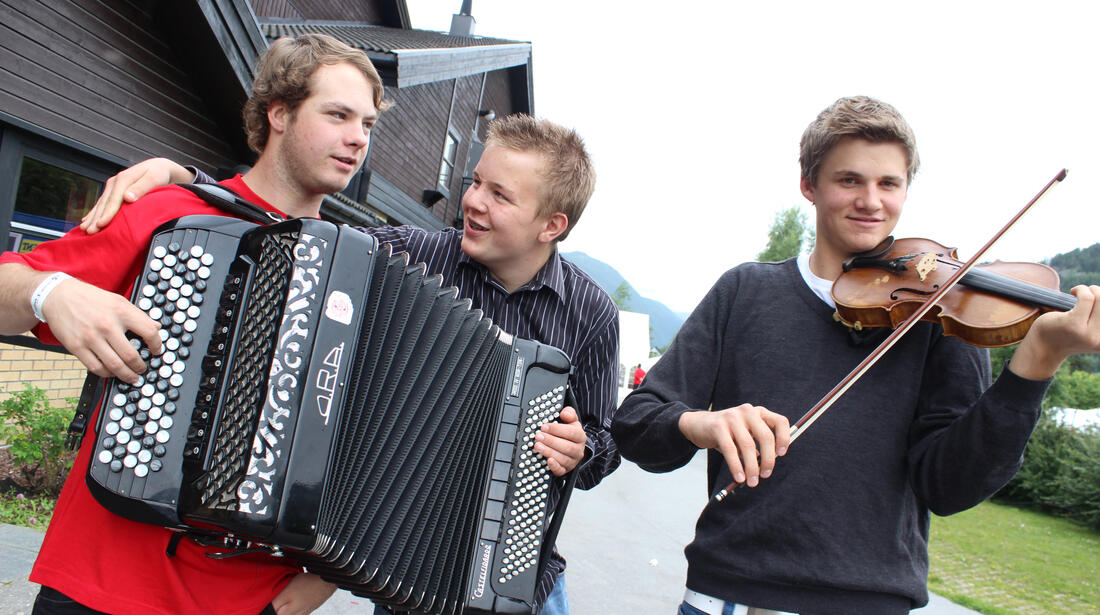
<point>920,277</point>
<point>992,305</point>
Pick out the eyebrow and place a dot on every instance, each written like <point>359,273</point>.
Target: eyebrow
<point>850,172</point>
<point>339,106</point>
<point>507,191</point>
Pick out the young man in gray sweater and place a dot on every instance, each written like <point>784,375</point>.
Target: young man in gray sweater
<point>840,525</point>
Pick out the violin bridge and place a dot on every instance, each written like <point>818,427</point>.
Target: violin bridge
<point>926,265</point>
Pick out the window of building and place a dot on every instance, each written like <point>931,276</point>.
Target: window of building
<point>47,189</point>
<point>49,201</point>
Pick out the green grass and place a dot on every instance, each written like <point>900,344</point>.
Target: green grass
<point>17,508</point>
<point>998,559</point>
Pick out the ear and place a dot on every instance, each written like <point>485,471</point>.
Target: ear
<point>554,225</point>
<point>807,188</point>
<point>278,116</point>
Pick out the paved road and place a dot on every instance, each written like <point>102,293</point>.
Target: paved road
<point>624,542</point>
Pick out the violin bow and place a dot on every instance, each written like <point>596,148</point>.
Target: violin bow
<point>842,387</point>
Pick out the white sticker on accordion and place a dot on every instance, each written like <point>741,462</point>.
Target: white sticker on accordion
<point>339,307</point>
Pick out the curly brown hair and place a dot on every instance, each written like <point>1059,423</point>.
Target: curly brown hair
<point>284,72</point>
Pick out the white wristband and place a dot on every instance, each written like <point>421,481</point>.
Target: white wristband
<point>44,289</point>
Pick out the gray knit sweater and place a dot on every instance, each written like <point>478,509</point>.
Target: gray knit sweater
<point>842,525</point>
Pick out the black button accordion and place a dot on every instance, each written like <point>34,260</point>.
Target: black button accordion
<point>328,400</point>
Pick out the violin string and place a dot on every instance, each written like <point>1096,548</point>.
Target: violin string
<point>1012,288</point>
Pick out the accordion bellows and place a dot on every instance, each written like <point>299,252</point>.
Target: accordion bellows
<point>323,398</point>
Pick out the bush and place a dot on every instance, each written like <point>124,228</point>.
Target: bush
<point>1061,471</point>
<point>36,433</point>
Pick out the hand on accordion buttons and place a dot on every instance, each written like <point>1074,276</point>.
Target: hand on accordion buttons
<point>92,323</point>
<point>562,443</point>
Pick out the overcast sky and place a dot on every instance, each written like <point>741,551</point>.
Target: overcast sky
<point>693,111</point>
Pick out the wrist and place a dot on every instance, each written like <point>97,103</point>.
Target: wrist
<point>43,290</point>
<point>1034,361</point>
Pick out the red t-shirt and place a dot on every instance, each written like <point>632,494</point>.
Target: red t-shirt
<point>95,557</point>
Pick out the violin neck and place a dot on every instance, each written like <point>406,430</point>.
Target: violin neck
<point>1025,292</point>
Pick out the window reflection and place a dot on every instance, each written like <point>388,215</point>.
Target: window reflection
<point>49,201</point>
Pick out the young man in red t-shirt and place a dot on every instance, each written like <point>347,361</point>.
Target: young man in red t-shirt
<point>313,105</point>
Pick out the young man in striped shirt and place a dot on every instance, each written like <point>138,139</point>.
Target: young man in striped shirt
<point>529,188</point>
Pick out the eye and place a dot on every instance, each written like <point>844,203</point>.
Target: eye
<point>338,114</point>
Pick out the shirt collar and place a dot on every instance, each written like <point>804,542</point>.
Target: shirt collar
<point>551,275</point>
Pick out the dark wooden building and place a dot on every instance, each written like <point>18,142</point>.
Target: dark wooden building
<point>88,87</point>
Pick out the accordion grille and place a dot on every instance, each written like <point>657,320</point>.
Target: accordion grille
<point>247,381</point>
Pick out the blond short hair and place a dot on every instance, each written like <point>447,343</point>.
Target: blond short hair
<point>284,73</point>
<point>856,116</point>
<point>569,177</point>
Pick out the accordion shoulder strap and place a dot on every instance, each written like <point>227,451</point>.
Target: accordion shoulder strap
<point>227,200</point>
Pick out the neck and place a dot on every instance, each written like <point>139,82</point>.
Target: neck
<point>290,198</point>
<point>825,265</point>
<point>519,272</point>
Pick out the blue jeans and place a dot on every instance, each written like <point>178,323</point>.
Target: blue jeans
<point>557,603</point>
<point>687,609</point>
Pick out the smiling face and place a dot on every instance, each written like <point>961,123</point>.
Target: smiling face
<point>503,228</point>
<point>321,144</point>
<point>859,194</point>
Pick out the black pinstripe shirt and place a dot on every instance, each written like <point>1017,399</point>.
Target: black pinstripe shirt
<point>560,306</point>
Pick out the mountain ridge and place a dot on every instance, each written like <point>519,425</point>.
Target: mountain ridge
<point>664,322</point>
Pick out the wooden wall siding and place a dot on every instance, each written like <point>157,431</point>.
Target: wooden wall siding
<point>336,10</point>
<point>407,144</point>
<point>96,72</point>
<point>463,118</point>
<point>498,97</point>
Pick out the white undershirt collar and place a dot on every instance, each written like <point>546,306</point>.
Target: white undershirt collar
<point>820,286</point>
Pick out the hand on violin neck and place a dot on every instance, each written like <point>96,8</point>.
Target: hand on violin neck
<point>749,437</point>
<point>1055,336</point>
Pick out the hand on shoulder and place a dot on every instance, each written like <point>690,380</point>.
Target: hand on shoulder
<point>130,185</point>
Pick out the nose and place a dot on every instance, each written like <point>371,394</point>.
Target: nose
<point>357,135</point>
<point>471,199</point>
<point>870,197</point>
